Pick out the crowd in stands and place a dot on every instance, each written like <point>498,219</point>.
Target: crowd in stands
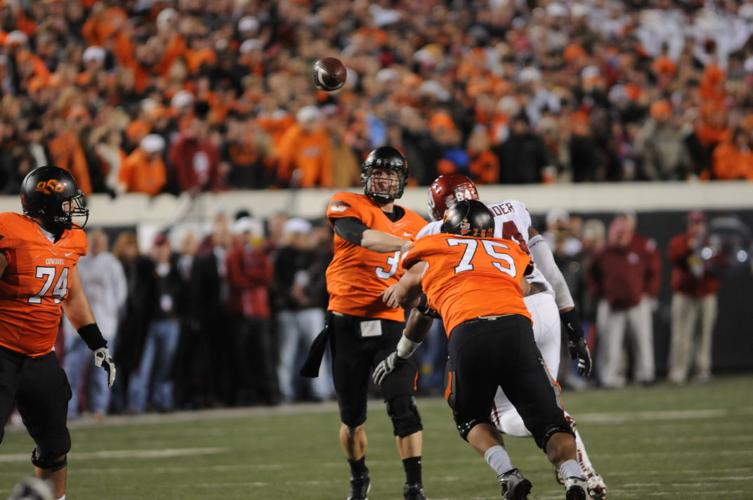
<point>175,96</point>
<point>225,316</point>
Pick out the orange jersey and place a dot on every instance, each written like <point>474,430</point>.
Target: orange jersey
<point>356,277</point>
<point>35,283</point>
<point>470,277</point>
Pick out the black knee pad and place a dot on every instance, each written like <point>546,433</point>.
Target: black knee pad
<point>550,431</point>
<point>49,461</point>
<point>465,427</point>
<point>352,418</point>
<point>404,415</point>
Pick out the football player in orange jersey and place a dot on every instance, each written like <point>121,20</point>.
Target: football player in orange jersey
<point>38,283</point>
<point>370,232</point>
<point>476,284</point>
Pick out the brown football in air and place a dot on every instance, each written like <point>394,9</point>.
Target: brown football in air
<point>329,74</point>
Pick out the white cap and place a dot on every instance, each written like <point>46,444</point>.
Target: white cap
<point>247,225</point>
<point>148,104</point>
<point>308,114</point>
<point>556,9</point>
<point>251,44</point>
<point>181,99</point>
<point>248,23</point>
<point>508,105</point>
<point>529,74</point>
<point>555,215</point>
<point>153,143</point>
<point>434,88</point>
<point>94,53</point>
<point>17,37</point>
<point>296,225</point>
<point>166,18</point>
<point>385,75</point>
<point>590,72</point>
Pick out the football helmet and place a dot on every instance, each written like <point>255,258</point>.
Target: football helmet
<point>469,218</point>
<point>446,190</point>
<point>379,188</point>
<point>51,195</point>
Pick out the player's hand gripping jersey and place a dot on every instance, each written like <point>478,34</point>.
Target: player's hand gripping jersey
<point>356,277</point>
<point>35,283</point>
<point>469,277</point>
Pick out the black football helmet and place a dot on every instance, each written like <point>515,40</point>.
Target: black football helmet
<point>50,194</point>
<point>384,158</point>
<point>469,218</point>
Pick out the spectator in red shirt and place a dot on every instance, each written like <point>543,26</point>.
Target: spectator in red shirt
<point>694,288</point>
<point>620,277</point>
<point>249,273</point>
<point>195,159</point>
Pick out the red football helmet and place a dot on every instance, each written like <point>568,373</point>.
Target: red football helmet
<point>446,190</point>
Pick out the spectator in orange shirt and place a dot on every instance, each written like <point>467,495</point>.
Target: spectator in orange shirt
<point>484,163</point>
<point>306,151</point>
<point>67,151</point>
<point>144,171</point>
<point>734,159</point>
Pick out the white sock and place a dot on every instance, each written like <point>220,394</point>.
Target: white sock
<point>570,468</point>
<point>498,460</point>
<point>62,498</point>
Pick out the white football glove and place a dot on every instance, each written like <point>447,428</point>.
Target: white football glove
<point>103,359</point>
<point>386,367</point>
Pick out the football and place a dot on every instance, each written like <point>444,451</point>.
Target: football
<point>329,74</point>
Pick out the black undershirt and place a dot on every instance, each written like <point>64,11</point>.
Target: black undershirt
<point>352,229</point>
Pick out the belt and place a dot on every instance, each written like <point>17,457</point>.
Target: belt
<point>536,288</point>
<point>490,318</point>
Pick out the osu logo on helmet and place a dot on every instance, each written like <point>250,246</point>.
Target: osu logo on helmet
<point>50,186</point>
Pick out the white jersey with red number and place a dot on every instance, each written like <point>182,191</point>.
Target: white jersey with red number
<point>511,221</point>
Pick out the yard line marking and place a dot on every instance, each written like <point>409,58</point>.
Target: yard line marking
<point>623,417</point>
<point>331,407</point>
<point>163,453</point>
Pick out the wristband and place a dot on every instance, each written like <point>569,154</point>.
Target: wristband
<point>406,347</point>
<point>91,335</point>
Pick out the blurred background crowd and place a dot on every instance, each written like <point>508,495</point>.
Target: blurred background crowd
<point>176,96</point>
<point>224,316</point>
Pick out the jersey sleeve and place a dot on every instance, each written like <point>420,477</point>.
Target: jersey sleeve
<point>522,218</point>
<point>343,205</point>
<point>4,234</point>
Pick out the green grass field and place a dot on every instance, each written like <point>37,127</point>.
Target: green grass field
<point>693,442</point>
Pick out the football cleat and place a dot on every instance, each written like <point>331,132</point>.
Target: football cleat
<point>597,488</point>
<point>414,491</point>
<point>515,486</point>
<point>359,488</point>
<point>575,488</point>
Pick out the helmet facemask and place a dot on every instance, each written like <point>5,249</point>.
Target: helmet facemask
<point>383,184</point>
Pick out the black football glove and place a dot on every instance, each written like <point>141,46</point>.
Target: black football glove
<point>575,341</point>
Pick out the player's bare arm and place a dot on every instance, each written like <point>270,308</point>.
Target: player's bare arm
<point>356,232</point>
<point>406,292</point>
<point>79,313</point>
<point>379,241</point>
